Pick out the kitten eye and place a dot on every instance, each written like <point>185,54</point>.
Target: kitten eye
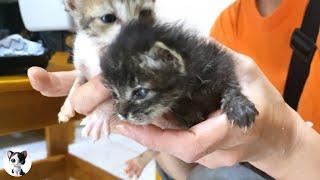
<point>141,93</point>
<point>108,18</point>
<point>115,96</point>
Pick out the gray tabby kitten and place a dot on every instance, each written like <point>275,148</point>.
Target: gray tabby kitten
<point>160,68</point>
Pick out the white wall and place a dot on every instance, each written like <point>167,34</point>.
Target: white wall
<point>199,14</point>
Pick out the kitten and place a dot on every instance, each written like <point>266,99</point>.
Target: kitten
<point>97,24</point>
<point>160,68</point>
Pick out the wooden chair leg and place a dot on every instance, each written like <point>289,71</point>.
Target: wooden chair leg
<point>58,137</point>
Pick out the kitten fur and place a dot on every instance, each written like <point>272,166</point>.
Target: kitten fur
<point>160,68</point>
<point>97,24</point>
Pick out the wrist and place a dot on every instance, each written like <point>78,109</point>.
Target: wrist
<point>295,154</point>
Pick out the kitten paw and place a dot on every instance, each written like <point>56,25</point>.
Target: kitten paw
<point>240,111</point>
<point>63,118</point>
<point>134,167</point>
<point>66,112</point>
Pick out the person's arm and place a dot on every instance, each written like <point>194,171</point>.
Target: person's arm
<point>302,159</point>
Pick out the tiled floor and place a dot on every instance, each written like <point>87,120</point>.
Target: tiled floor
<point>109,154</point>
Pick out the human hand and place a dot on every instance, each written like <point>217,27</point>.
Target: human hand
<point>215,142</point>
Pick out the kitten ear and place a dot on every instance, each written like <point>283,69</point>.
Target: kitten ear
<point>9,153</point>
<point>71,5</point>
<point>168,56</point>
<point>147,13</point>
<point>24,153</point>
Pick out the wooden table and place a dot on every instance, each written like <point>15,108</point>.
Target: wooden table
<point>23,109</point>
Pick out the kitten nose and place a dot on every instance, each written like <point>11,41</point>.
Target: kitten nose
<point>123,116</point>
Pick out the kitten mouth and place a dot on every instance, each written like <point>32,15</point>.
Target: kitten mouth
<point>138,119</point>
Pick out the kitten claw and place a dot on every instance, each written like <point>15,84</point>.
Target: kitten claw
<point>240,112</point>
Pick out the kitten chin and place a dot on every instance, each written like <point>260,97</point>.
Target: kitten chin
<point>156,68</point>
<point>144,118</point>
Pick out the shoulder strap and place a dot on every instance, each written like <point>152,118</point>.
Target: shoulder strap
<point>303,43</point>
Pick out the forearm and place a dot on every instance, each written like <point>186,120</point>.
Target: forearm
<point>300,160</point>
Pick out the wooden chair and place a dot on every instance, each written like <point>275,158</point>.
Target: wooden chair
<point>23,109</point>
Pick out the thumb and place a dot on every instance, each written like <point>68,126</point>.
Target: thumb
<point>49,84</point>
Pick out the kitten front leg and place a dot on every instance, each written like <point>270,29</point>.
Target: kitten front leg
<point>135,166</point>
<point>67,111</point>
<point>239,109</point>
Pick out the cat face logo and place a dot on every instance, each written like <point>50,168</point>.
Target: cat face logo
<point>17,163</point>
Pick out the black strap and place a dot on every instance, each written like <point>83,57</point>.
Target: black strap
<point>257,171</point>
<point>303,43</point>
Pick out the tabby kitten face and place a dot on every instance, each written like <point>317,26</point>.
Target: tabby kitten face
<point>103,18</point>
<point>146,84</point>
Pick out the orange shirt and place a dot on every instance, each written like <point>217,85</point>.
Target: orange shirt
<point>267,41</point>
